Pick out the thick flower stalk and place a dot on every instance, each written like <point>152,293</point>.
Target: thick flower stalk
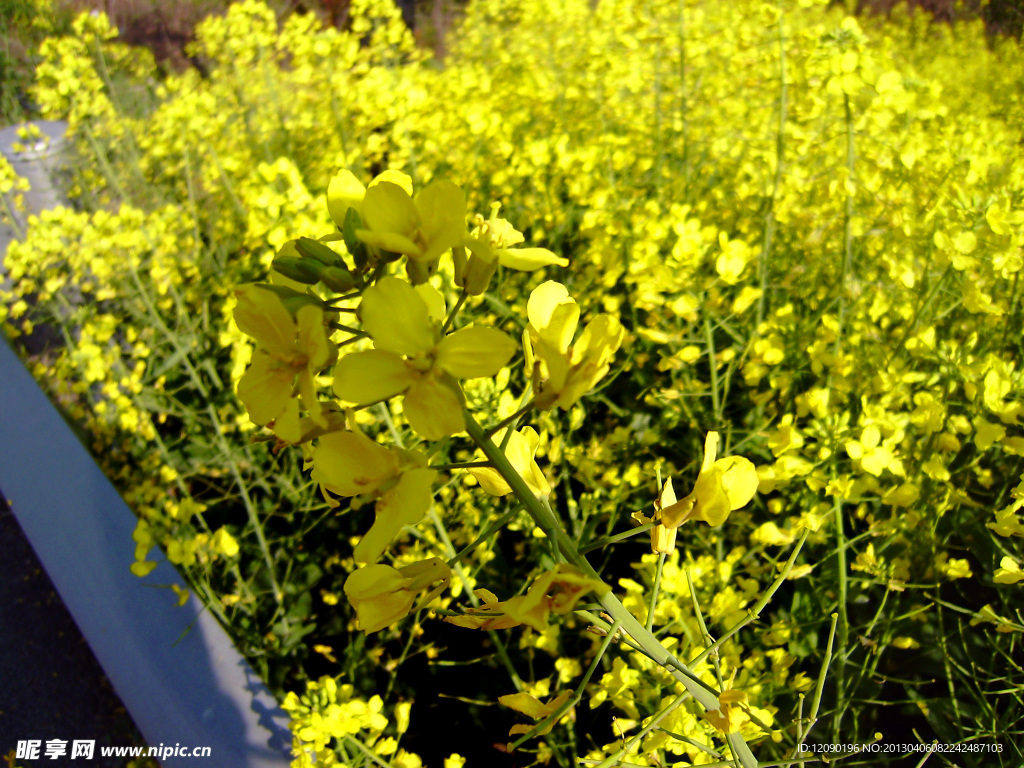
<point>411,358</point>
<point>642,636</point>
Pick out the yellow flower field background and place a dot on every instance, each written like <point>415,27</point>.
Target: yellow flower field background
<point>785,243</point>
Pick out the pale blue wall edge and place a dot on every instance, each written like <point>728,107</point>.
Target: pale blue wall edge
<point>174,668</point>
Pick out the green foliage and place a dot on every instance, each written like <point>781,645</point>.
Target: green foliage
<point>23,25</point>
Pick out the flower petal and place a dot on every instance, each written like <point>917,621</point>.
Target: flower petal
<point>676,514</point>
<point>553,314</point>
<point>521,450</point>
<point>710,452</point>
<point>405,504</point>
<point>529,259</point>
<point>350,463</point>
<point>442,209</point>
<point>598,343</point>
<point>434,300</point>
<point>475,352</point>
<point>370,376</point>
<point>491,481</point>
<point>433,409</point>
<point>287,425</point>
<point>313,339</point>
<point>261,314</point>
<point>265,388</point>
<point>392,242</point>
<point>397,318</point>
<point>389,208</point>
<point>395,177</point>
<point>712,500</point>
<point>379,596</point>
<point>667,497</point>
<point>345,191</point>
<point>739,479</point>
<point>527,704</point>
<point>373,580</point>
<point>307,393</point>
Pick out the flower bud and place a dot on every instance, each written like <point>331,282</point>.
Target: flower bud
<point>459,259</point>
<point>478,274</point>
<point>295,268</point>
<point>337,279</point>
<point>293,300</point>
<point>314,249</point>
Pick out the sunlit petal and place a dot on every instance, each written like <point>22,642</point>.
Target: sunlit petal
<point>397,318</point>
<point>371,376</point>
<point>475,352</point>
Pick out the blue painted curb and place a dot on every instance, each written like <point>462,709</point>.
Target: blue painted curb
<point>174,668</point>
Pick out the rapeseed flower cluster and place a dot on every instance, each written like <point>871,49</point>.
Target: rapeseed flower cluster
<point>794,229</point>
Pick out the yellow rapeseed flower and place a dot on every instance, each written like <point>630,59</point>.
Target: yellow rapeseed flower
<point>287,349</point>
<point>535,708</point>
<point>490,244</point>
<point>383,595</point>
<point>421,227</point>
<point>562,374</point>
<point>556,591</point>
<point>722,486</point>
<point>411,358</point>
<point>350,464</point>
<point>521,449</point>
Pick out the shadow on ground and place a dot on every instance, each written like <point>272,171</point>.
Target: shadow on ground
<point>53,687</point>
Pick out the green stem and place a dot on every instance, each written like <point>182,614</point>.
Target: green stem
<point>780,147</point>
<point>760,605</point>
<point>455,310</point>
<point>847,222</point>
<point>460,465</point>
<point>509,419</point>
<point>654,592</point>
<point>611,604</point>
<point>816,702</point>
<point>713,367</point>
<point>573,700</point>
<point>369,755</point>
<point>843,620</point>
<point>599,543</point>
<point>14,217</point>
<point>218,430</point>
